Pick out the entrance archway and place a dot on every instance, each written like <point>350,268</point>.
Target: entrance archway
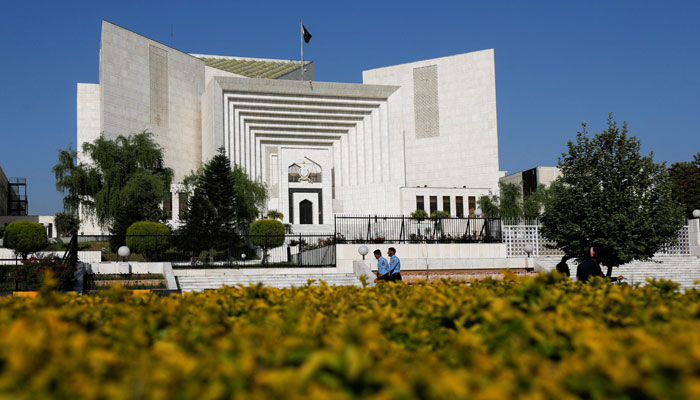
<point>306,215</point>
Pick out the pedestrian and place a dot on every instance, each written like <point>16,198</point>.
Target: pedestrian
<point>563,267</point>
<point>591,267</point>
<point>394,265</point>
<point>382,267</point>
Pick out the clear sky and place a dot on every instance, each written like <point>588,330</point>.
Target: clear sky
<point>557,63</point>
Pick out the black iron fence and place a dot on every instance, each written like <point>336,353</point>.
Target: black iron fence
<point>405,229</point>
<point>290,250</point>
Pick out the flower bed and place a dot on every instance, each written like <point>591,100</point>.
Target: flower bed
<point>522,337</point>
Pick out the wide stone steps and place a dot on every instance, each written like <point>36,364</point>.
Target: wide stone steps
<point>202,282</point>
<point>684,270</point>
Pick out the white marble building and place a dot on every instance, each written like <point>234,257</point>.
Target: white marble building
<point>421,134</point>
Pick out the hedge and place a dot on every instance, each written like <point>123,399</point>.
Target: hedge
<point>521,338</point>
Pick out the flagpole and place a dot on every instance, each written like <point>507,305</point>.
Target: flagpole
<point>301,45</point>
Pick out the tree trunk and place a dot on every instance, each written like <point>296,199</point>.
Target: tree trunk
<point>609,274</point>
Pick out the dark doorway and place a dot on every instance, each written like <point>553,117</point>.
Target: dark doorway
<point>306,215</point>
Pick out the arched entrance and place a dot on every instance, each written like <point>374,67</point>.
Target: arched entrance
<point>306,215</point>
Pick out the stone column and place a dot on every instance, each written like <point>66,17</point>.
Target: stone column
<point>694,236</point>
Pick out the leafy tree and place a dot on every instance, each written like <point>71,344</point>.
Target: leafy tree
<point>67,223</point>
<point>685,184</point>
<point>506,205</point>
<point>125,174</point>
<point>534,203</point>
<point>611,197</point>
<point>224,201</point>
<point>268,234</point>
<point>25,237</point>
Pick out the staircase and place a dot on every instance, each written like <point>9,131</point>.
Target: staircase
<point>684,270</point>
<point>202,282</point>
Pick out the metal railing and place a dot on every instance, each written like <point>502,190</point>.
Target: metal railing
<point>406,229</point>
<point>245,251</point>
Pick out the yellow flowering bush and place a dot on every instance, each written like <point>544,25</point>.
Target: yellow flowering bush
<point>537,337</point>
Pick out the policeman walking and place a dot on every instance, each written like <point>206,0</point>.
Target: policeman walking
<point>394,265</point>
<point>382,267</point>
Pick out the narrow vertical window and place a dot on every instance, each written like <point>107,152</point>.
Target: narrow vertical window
<point>459,203</point>
<point>420,203</point>
<point>433,204</point>
<point>446,205</point>
<point>472,205</point>
<point>182,202</point>
<point>168,205</point>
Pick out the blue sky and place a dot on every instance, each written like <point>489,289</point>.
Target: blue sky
<point>557,63</point>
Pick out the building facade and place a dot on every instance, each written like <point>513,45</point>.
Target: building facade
<point>530,179</point>
<point>415,135</point>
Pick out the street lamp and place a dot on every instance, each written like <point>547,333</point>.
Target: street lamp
<point>123,252</point>
<point>696,213</point>
<point>478,212</point>
<point>528,249</point>
<point>363,250</point>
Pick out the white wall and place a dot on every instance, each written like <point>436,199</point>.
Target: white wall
<point>125,84</point>
<point>88,115</point>
<point>466,151</point>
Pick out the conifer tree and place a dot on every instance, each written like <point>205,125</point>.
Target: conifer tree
<point>223,203</point>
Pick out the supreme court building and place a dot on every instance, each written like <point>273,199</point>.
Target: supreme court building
<point>416,135</point>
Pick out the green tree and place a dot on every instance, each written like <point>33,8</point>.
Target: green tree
<point>685,184</point>
<point>611,197</point>
<point>125,176</point>
<point>67,224</point>
<point>268,234</point>
<point>534,203</point>
<point>224,201</point>
<point>506,205</point>
<point>25,237</point>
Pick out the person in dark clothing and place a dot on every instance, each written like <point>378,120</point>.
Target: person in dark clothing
<point>563,267</point>
<point>590,268</point>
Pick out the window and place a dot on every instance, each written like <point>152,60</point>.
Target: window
<point>446,205</point>
<point>168,205</point>
<point>433,204</point>
<point>459,203</point>
<point>182,201</point>
<point>472,205</point>
<point>420,203</point>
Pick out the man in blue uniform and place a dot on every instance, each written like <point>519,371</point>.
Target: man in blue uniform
<point>382,267</point>
<point>394,266</point>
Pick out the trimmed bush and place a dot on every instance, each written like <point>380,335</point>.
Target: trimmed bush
<point>148,238</point>
<point>273,229</point>
<point>268,234</point>
<point>25,237</point>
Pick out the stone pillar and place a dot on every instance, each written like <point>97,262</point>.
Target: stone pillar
<point>694,236</point>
